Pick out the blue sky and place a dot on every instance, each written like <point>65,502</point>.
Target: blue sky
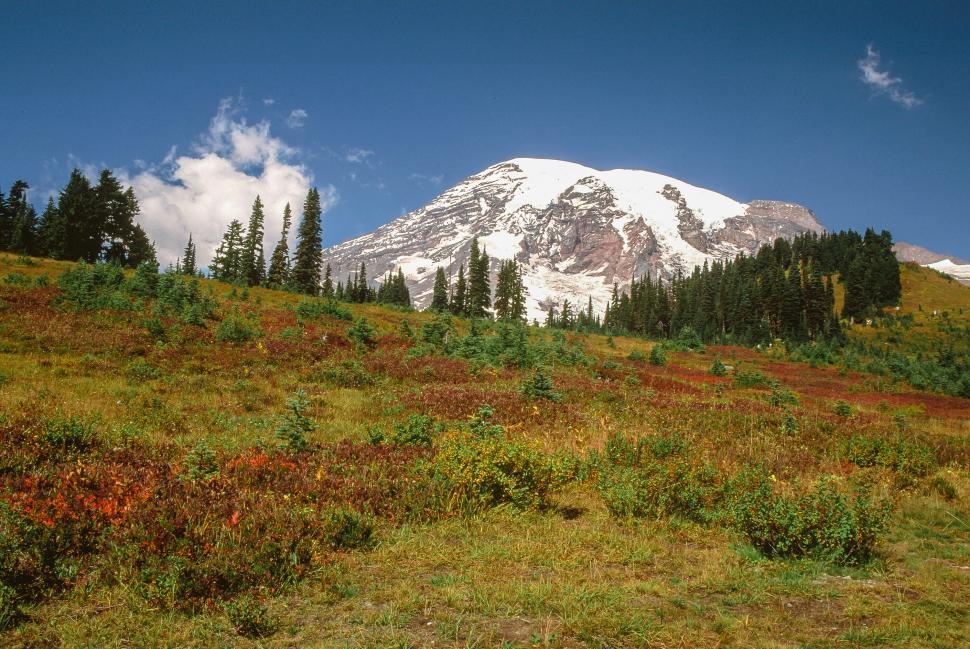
<point>858,110</point>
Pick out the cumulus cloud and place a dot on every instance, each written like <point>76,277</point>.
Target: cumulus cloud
<point>882,82</point>
<point>358,156</point>
<point>297,118</point>
<point>203,191</point>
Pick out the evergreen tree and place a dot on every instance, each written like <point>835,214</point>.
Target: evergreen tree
<point>140,249</point>
<point>503,290</point>
<point>47,234</point>
<point>227,262</point>
<point>439,296</point>
<point>110,226</point>
<point>74,237</point>
<point>479,287</point>
<point>253,261</point>
<point>279,263</point>
<point>308,260</point>
<point>459,300</point>
<point>188,258</point>
<point>18,221</point>
<point>327,291</point>
<point>517,310</point>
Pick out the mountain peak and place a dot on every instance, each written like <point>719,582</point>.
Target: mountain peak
<point>576,230</point>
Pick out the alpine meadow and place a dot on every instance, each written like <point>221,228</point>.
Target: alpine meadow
<point>368,363</point>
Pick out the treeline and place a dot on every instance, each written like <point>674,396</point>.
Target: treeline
<point>240,259</point>
<point>471,295</point>
<point>87,222</point>
<point>785,291</point>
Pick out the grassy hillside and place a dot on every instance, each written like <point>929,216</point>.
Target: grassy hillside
<point>147,497</point>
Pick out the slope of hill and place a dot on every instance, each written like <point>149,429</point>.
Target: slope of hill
<point>956,268</point>
<point>278,473</point>
<point>576,230</point>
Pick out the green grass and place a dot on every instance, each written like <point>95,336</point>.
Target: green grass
<point>563,573</point>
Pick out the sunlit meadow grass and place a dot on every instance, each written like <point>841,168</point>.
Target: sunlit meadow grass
<point>566,575</point>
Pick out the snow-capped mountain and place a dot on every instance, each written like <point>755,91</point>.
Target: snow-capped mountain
<point>956,268</point>
<point>576,230</point>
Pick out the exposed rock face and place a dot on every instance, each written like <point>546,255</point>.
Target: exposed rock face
<point>920,255</point>
<point>956,268</point>
<point>575,229</point>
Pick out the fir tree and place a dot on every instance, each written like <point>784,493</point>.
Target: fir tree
<point>327,290</point>
<point>279,263</point>
<point>308,260</point>
<point>74,236</point>
<point>459,304</point>
<point>253,261</point>
<point>18,221</point>
<point>188,258</point>
<point>439,296</point>
<point>227,262</point>
<point>479,288</point>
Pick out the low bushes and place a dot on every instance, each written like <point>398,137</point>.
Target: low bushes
<point>185,533</point>
<point>236,328</point>
<point>909,460</point>
<point>315,309</point>
<point>653,477</point>
<point>481,468</point>
<point>751,379</point>
<point>822,522</point>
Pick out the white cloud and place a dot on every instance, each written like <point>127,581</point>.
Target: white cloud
<point>268,101</point>
<point>882,82</point>
<point>201,193</point>
<point>423,179</point>
<point>358,156</point>
<point>297,118</point>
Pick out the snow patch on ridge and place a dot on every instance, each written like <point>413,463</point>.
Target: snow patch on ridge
<point>958,271</point>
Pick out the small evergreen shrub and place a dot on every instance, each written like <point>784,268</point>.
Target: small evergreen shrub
<point>362,334</point>
<point>635,355</point>
<point>789,424</point>
<point>717,368</point>
<point>249,617</point>
<point>154,326</point>
<point>416,430</point>
<point>481,424</point>
<point>688,339</point>
<point>97,286</point>
<point>235,328</point>
<point>200,463</point>
<point>782,398</point>
<point>438,331</point>
<point>539,386</point>
<point>658,356</point>
<point>294,425</point>
<point>316,309</point>
<point>751,379</point>
<point>144,281</point>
